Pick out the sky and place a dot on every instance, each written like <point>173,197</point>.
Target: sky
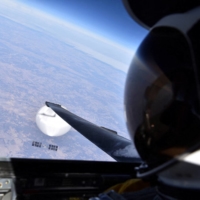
<point>101,28</point>
<point>107,18</point>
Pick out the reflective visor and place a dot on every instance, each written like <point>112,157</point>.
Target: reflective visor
<point>161,100</point>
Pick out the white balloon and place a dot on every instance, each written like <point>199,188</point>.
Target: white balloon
<point>50,123</point>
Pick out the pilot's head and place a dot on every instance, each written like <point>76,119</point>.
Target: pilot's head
<point>162,94</point>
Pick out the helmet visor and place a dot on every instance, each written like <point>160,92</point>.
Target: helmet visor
<point>161,100</point>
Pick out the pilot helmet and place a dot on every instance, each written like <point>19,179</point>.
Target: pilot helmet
<point>162,92</point>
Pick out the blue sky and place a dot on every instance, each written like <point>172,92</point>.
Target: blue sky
<point>107,18</point>
<point>101,28</point>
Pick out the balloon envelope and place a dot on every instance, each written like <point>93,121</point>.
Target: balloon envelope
<point>50,123</point>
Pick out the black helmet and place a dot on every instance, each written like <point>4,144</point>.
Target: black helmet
<point>162,92</point>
